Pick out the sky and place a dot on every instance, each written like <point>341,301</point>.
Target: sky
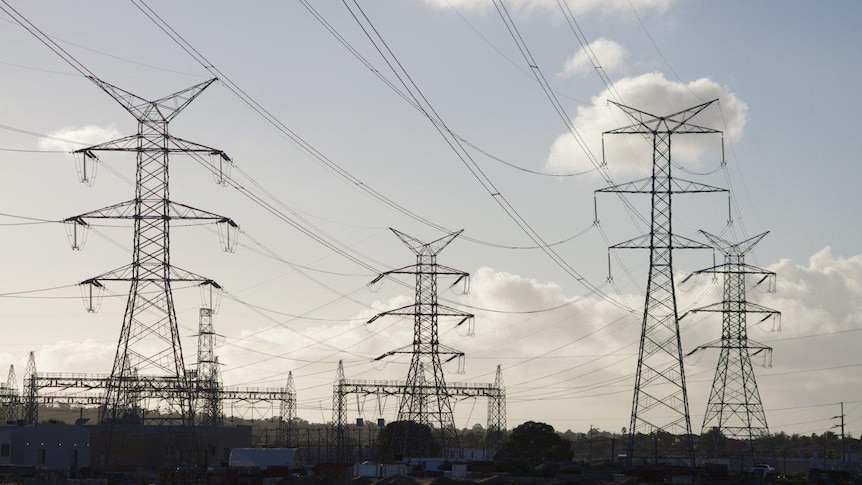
<point>784,74</point>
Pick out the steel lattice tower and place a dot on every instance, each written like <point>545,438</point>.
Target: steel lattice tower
<point>208,377</point>
<point>495,433</point>
<point>660,402</point>
<point>416,405</point>
<point>31,403</point>
<point>734,405</point>
<point>289,434</point>
<point>11,401</point>
<point>149,340</point>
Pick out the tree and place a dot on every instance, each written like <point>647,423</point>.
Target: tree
<point>400,439</point>
<point>537,443</point>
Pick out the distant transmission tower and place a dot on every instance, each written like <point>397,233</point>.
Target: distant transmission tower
<point>734,407</point>
<point>288,425</point>
<point>209,384</point>
<point>149,342</point>
<point>660,403</point>
<point>9,398</point>
<point>31,403</point>
<point>434,410</point>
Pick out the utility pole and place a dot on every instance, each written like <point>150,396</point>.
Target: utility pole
<point>841,425</point>
<point>660,401</point>
<point>426,350</point>
<point>149,340</point>
<point>734,407</point>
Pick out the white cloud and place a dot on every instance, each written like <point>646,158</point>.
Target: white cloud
<point>655,94</point>
<point>608,53</point>
<point>581,356</point>
<point>72,138</point>
<point>577,7</point>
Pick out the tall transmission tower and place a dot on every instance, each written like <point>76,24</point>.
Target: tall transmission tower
<point>734,406</point>
<point>434,410</point>
<point>149,340</point>
<point>660,402</point>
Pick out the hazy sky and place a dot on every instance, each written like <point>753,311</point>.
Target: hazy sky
<point>784,72</point>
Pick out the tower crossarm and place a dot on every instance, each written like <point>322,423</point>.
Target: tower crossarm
<point>163,109</point>
<point>126,273</point>
<point>745,344</point>
<point>739,269</point>
<point>739,307</point>
<point>132,143</point>
<point>674,186</point>
<point>646,242</point>
<point>126,210</point>
<point>410,310</point>
<point>415,269</point>
<point>426,249</point>
<point>673,123</point>
<point>441,350</point>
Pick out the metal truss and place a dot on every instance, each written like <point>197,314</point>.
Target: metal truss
<point>417,404</point>
<point>660,402</point>
<point>149,341</point>
<point>734,407</point>
<point>147,391</point>
<point>495,393</point>
<point>31,409</point>
<point>210,411</point>
<point>90,390</point>
<point>10,400</point>
<point>288,427</point>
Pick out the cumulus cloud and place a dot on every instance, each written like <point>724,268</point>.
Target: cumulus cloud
<point>579,7</point>
<point>609,55</point>
<point>72,138</point>
<point>577,359</point>
<point>655,94</point>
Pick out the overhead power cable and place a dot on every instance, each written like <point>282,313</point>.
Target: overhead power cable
<point>457,147</point>
<point>406,97</point>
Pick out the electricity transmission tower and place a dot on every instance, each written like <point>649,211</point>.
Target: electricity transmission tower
<point>660,402</point>
<point>149,339</point>
<point>417,403</point>
<point>734,407</point>
<point>208,381</point>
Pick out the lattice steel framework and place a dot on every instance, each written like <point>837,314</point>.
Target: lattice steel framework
<point>31,407</point>
<point>734,405</point>
<point>210,412</point>
<point>10,400</point>
<point>495,431</point>
<point>429,408</point>
<point>660,402</point>
<point>288,426</point>
<point>54,388</point>
<point>149,341</point>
